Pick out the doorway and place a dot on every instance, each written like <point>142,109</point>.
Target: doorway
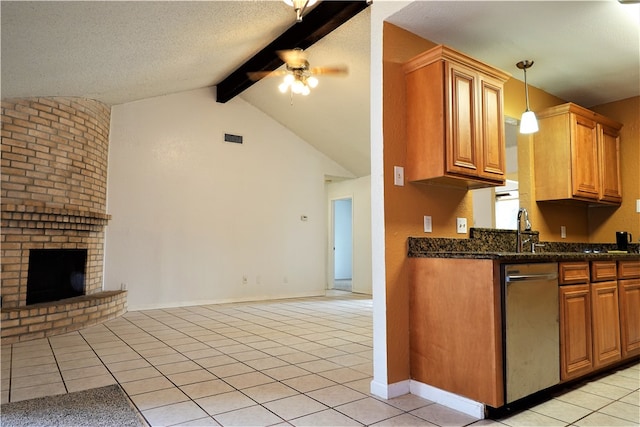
<point>342,236</point>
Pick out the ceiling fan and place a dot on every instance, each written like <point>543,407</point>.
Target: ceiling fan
<point>299,77</point>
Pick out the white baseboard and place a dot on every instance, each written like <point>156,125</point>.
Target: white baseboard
<point>255,298</point>
<point>389,391</point>
<point>448,399</point>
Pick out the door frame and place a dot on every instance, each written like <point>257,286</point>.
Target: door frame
<point>331,242</point>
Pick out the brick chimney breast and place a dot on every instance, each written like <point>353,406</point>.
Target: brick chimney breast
<point>54,194</point>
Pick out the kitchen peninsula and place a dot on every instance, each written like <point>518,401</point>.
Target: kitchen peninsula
<point>458,305</point>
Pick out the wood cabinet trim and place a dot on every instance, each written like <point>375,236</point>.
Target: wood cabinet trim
<point>570,107</point>
<point>445,53</point>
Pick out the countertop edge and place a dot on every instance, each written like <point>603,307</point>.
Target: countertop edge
<point>527,256</point>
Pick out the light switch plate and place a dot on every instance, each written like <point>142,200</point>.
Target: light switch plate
<point>427,224</point>
<point>563,232</point>
<point>638,205</point>
<point>461,225</point>
<point>398,176</point>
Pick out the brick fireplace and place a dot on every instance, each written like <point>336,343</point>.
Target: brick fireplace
<point>54,179</point>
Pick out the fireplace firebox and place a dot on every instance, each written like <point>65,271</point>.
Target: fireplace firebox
<point>55,274</point>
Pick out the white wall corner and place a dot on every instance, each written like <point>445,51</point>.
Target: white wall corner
<point>448,399</point>
<point>389,391</point>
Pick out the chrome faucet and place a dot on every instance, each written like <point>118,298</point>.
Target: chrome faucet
<point>527,227</point>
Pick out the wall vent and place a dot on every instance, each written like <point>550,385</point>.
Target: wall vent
<point>236,139</point>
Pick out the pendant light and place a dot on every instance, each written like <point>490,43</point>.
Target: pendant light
<point>299,6</point>
<point>528,122</point>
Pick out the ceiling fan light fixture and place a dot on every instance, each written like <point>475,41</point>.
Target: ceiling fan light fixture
<point>300,6</point>
<point>528,121</point>
<point>297,86</point>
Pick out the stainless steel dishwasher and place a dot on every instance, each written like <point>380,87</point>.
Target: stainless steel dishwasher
<point>531,329</point>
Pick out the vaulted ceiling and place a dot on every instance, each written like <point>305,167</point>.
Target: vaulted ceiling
<point>117,52</point>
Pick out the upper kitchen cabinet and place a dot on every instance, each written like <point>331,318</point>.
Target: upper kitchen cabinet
<point>577,156</point>
<point>455,121</point>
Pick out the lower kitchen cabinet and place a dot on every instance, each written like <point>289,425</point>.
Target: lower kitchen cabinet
<point>458,309</point>
<point>576,348</point>
<point>599,315</point>
<point>456,329</point>
<point>629,297</point>
<point>630,316</point>
<point>606,323</point>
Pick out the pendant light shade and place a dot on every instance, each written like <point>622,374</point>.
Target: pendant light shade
<point>528,122</point>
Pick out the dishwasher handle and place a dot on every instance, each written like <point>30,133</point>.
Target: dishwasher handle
<point>530,277</point>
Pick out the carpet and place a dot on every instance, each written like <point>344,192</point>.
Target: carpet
<point>104,406</point>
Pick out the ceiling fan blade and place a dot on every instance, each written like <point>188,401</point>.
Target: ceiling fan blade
<point>257,75</point>
<point>293,57</point>
<point>341,70</point>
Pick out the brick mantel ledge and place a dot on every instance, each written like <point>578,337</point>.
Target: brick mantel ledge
<point>33,216</point>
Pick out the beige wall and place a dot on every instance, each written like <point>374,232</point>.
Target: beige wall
<point>406,206</point>
<point>191,210</point>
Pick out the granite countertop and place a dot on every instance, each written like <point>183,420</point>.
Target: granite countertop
<point>500,245</point>
<point>527,256</point>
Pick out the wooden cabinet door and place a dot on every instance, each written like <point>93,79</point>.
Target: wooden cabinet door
<point>492,142</point>
<point>584,158</point>
<point>575,331</point>
<point>605,323</point>
<point>462,136</point>
<point>609,160</point>
<point>629,297</point>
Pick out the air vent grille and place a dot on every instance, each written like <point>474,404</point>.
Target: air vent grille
<point>236,139</point>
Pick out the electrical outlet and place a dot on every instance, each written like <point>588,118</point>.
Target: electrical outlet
<point>398,176</point>
<point>245,280</point>
<point>461,225</point>
<point>563,232</point>
<point>427,224</point>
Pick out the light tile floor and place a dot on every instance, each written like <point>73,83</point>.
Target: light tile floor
<point>300,362</point>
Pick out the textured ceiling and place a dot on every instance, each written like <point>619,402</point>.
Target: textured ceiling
<point>123,51</point>
<point>584,51</point>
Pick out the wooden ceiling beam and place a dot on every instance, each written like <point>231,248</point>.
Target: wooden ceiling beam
<point>325,17</point>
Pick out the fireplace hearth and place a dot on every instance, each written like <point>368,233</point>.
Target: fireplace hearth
<point>55,274</point>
